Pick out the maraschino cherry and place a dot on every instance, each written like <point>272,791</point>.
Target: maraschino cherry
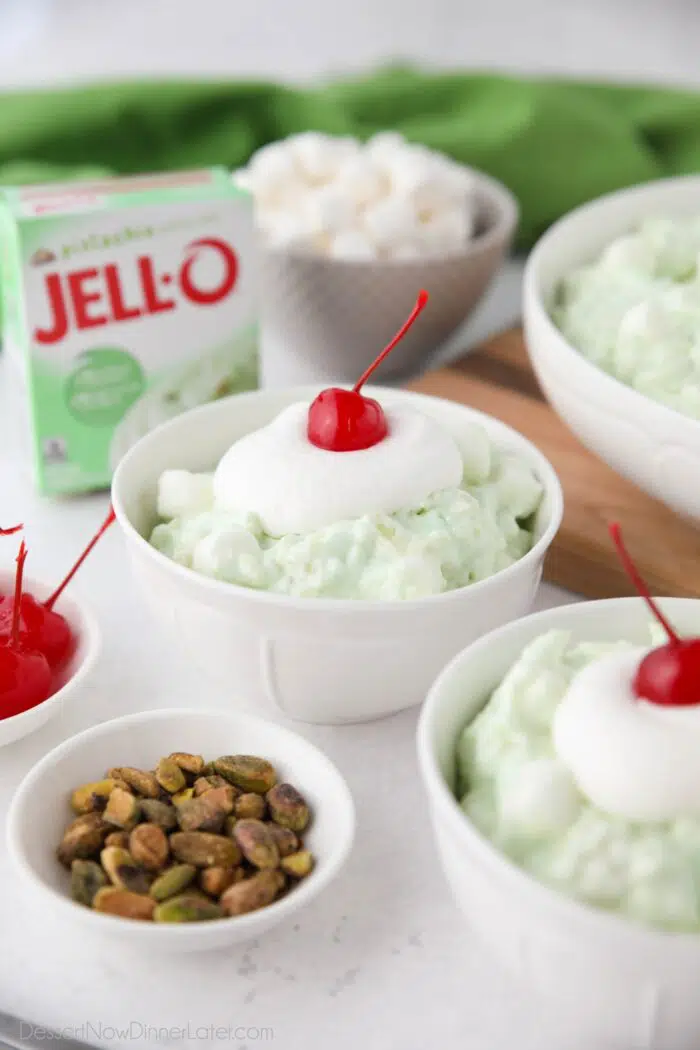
<point>40,627</point>
<point>670,674</point>
<point>25,675</point>
<point>346,421</point>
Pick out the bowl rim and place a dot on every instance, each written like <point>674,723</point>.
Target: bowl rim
<point>445,809</point>
<point>534,300</point>
<point>304,892</point>
<point>552,492</point>
<point>91,634</point>
<point>491,190</point>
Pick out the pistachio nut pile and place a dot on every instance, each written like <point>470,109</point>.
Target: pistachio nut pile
<point>187,841</point>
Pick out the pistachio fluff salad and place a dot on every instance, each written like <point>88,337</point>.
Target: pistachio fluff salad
<point>588,785</point>
<point>635,311</point>
<point>419,513</point>
<point>348,498</point>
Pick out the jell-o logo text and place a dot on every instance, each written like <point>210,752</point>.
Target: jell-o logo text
<point>91,298</point>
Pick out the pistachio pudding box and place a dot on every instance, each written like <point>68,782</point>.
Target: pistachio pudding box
<point>125,301</point>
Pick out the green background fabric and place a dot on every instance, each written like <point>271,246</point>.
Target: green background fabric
<point>554,143</point>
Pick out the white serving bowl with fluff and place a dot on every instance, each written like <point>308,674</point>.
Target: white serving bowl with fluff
<point>614,983</point>
<point>324,660</point>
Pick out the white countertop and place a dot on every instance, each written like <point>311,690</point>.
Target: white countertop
<point>381,961</point>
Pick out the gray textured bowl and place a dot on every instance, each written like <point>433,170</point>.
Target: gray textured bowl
<point>326,319</point>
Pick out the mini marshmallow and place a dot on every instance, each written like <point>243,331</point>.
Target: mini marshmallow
<point>352,244</point>
<point>475,446</point>
<point>390,221</point>
<point>385,144</point>
<point>229,553</point>
<point>362,180</point>
<point>181,493</point>
<point>329,210</point>
<point>446,230</point>
<point>272,172</point>
<point>318,155</point>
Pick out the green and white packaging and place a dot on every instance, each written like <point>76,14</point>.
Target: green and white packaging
<point>125,302</point>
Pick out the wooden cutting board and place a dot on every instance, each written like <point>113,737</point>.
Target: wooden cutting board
<point>497,378</point>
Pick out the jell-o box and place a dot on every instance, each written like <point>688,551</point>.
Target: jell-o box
<point>125,302</point>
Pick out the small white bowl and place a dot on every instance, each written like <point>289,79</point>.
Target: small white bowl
<point>319,660</point>
<point>74,677</point>
<point>39,813</point>
<point>650,444</point>
<point>616,985</point>
<point>327,319</point>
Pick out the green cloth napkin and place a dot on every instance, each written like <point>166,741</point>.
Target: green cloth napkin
<point>554,143</point>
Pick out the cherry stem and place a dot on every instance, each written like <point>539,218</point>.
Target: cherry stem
<point>11,531</point>
<point>421,302</point>
<point>16,609</point>
<point>641,587</point>
<point>50,602</point>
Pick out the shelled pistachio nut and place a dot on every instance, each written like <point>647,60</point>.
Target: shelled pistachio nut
<point>161,813</point>
<point>83,838</point>
<point>170,776</point>
<point>250,806</point>
<point>285,839</point>
<point>256,843</point>
<point>140,782</point>
<point>120,902</point>
<point>86,878</point>
<point>123,871</point>
<point>187,907</point>
<point>148,845</point>
<point>90,798</point>
<point>256,892</point>
<point>205,850</point>
<point>297,864</point>
<point>193,764</point>
<point>204,784</point>
<point>172,881</point>
<point>247,772</point>
<point>122,809</point>
<point>288,807</point>
<point>215,880</point>
<point>207,812</point>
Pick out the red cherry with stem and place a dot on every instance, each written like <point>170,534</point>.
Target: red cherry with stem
<point>670,674</point>
<point>346,421</point>
<point>25,675</point>
<point>41,627</point>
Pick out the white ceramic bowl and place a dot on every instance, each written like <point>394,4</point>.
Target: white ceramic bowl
<point>654,446</point>
<point>74,677</point>
<point>325,319</point>
<point>39,812</point>
<point>616,985</point>
<point>319,660</point>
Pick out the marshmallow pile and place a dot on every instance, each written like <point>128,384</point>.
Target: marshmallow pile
<point>387,199</point>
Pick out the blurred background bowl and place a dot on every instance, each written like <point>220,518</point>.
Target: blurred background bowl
<point>653,446</point>
<point>325,319</point>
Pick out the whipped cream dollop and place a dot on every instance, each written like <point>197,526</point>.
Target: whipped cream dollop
<point>629,757</point>
<point>292,486</point>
